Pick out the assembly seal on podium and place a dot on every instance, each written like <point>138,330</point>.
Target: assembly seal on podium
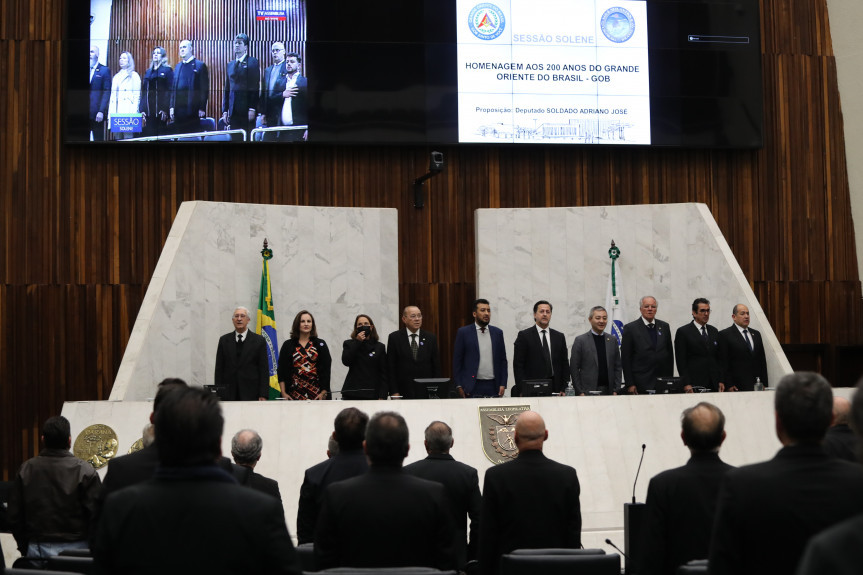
<point>497,431</point>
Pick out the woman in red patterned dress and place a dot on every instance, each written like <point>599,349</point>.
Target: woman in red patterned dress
<point>304,362</point>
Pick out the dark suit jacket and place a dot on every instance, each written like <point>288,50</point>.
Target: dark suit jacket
<point>196,520</point>
<point>462,489</point>
<point>738,365</point>
<point>530,502</point>
<point>100,91</point>
<point>527,362</point>
<point>841,441</point>
<point>681,505</point>
<point>189,96</point>
<point>242,82</point>
<point>768,511</point>
<point>156,91</point>
<point>385,518</point>
<point>367,373</point>
<point>125,471</point>
<point>342,466</point>
<point>584,364</point>
<point>247,476</point>
<point>837,551</point>
<point>698,360</point>
<point>403,368</point>
<point>465,357</point>
<point>247,377</point>
<point>272,100</point>
<point>642,361</point>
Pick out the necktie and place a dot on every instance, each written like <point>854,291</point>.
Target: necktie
<point>239,338</point>
<point>414,347</point>
<point>746,337</point>
<point>482,330</point>
<point>546,355</point>
<point>239,344</point>
<point>704,332</point>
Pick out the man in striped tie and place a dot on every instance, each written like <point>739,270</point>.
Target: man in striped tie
<point>741,353</point>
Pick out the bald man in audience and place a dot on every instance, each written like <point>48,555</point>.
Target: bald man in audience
<point>460,481</point>
<point>840,441</point>
<point>246,448</point>
<point>530,502</point>
<point>681,502</point>
<point>767,512</point>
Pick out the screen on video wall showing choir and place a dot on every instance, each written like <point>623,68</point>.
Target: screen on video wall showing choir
<point>679,73</point>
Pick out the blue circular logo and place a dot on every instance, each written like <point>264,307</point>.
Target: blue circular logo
<point>617,24</point>
<point>486,21</point>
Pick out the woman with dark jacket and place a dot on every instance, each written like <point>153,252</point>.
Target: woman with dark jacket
<point>366,358</point>
<point>304,362</point>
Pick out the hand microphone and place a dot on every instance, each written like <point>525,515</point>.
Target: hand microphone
<point>643,446</point>
<point>608,542</point>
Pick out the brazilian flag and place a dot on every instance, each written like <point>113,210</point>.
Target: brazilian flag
<point>266,324</point>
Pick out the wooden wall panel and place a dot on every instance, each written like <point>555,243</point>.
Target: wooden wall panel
<point>81,229</point>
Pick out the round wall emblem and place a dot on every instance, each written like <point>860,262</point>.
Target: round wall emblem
<point>617,24</point>
<point>486,21</point>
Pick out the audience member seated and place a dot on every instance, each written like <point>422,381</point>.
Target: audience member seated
<point>192,517</point>
<point>529,502</point>
<point>839,549</point>
<point>54,496</point>
<point>461,483</point>
<point>681,502</point>
<point>348,461</point>
<point>385,518</point>
<point>246,447</point>
<point>840,441</point>
<point>768,511</point>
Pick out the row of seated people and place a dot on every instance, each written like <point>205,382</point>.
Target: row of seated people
<point>362,508</point>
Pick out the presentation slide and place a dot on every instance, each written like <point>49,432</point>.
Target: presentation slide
<point>553,71</point>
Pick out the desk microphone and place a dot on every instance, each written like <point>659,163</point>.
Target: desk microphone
<point>643,446</point>
<point>608,542</point>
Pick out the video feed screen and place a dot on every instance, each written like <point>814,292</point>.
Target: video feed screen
<point>680,73</point>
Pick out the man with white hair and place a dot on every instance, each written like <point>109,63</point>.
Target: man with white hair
<point>246,447</point>
<point>242,371</point>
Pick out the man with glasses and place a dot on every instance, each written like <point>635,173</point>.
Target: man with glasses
<point>272,87</point>
<point>411,354</point>
<point>696,346</point>
<point>242,372</point>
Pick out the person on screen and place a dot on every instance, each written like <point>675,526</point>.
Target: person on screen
<point>156,94</point>
<point>242,82</point>
<point>294,108</point>
<point>272,87</point>
<point>190,91</point>
<point>125,90</point>
<point>100,94</point>
<point>305,361</point>
<point>366,359</point>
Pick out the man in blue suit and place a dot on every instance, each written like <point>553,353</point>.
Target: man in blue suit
<point>479,366</point>
<point>100,94</point>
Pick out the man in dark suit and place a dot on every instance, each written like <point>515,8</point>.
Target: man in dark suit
<point>190,91</point>
<point>242,372</point>
<point>254,537</point>
<point>246,447</point>
<point>348,461</point>
<point>461,484</point>
<point>840,441</point>
<point>768,511</point>
<point>100,95</point>
<point>404,520</point>
<point>411,354</point>
<point>592,350</point>
<point>242,83</point>
<point>540,352</point>
<point>273,85</point>
<point>696,346</point>
<point>296,96</point>
<point>646,352</point>
<point>741,353</point>
<point>479,366</point>
<point>681,502</point>
<point>530,502</point>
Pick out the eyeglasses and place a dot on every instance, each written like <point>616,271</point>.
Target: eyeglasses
<point>240,315</point>
<point>278,50</point>
<point>415,316</point>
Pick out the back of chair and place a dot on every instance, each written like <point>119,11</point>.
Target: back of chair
<point>306,555</point>
<point>75,553</point>
<point>386,571</point>
<point>20,571</point>
<point>66,563</point>
<point>596,564</point>
<point>557,551</point>
<point>696,567</point>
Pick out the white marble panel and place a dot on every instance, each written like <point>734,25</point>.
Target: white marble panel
<point>674,252</point>
<point>335,262</point>
<point>600,436</point>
